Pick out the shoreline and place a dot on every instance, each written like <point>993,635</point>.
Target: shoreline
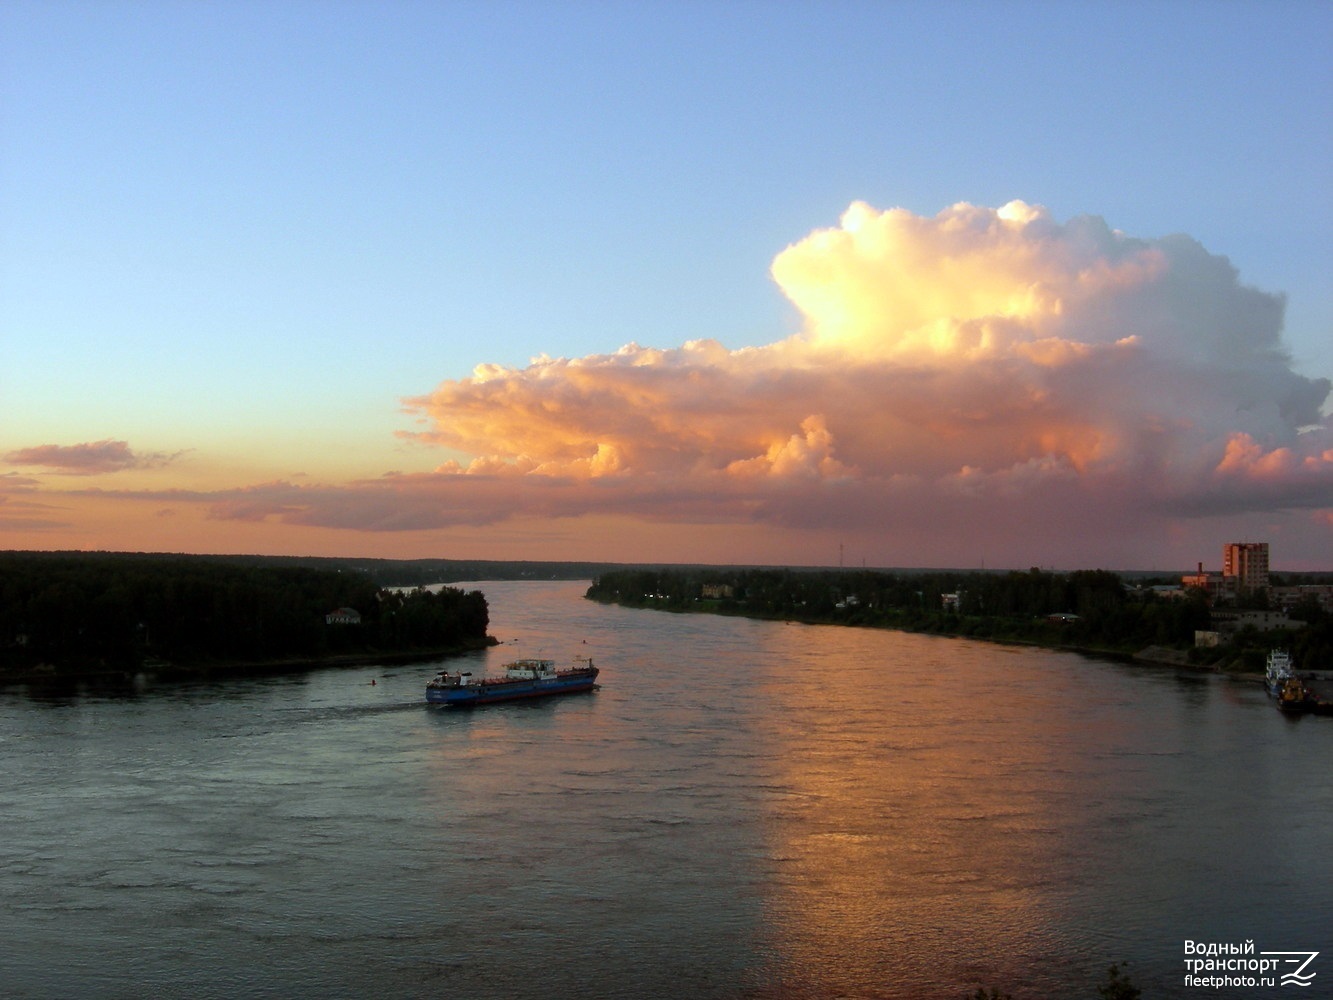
<point>158,670</point>
<point>1159,656</point>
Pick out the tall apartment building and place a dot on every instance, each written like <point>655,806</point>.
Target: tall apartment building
<point>1247,562</point>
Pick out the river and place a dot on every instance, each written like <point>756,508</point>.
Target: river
<point>743,810</point>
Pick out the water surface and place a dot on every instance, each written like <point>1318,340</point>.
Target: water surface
<point>745,809</point>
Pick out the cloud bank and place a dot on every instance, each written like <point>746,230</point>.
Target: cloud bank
<point>982,374</point>
<point>984,360</point>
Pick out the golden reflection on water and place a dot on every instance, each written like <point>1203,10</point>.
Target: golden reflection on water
<point>910,812</point>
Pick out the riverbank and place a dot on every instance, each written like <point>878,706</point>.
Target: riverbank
<point>1152,655</point>
<point>163,671</point>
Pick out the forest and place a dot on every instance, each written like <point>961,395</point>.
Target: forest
<point>414,572</point>
<point>1094,610</point>
<point>76,613</point>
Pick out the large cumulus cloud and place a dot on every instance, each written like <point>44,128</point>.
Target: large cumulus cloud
<point>983,359</point>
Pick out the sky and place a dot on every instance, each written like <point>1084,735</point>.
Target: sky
<point>961,284</point>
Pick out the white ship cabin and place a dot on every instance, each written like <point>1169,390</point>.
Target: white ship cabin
<point>447,680</point>
<point>1279,665</point>
<point>530,670</point>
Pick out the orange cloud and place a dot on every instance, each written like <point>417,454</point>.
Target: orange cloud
<point>982,352</point>
<point>1244,456</point>
<point>807,455</point>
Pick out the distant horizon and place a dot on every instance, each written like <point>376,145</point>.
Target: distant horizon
<point>634,565</point>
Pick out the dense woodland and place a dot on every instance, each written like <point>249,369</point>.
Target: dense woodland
<point>80,612</point>
<point>1014,606</point>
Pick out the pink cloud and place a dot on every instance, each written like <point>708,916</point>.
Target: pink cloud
<point>88,459</point>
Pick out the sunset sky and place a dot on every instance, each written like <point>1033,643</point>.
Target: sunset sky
<point>905,284</point>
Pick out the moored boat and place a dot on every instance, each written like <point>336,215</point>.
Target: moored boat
<point>1295,696</point>
<point>1278,673</point>
<point>1286,686</point>
<point>528,678</point>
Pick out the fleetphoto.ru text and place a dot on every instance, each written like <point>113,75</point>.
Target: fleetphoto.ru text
<point>1217,964</point>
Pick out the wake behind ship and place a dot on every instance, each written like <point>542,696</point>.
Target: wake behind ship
<point>530,678</point>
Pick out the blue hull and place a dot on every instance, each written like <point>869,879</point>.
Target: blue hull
<point>489,694</point>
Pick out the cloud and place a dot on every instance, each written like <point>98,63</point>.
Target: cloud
<point>21,511</point>
<point>982,356</point>
<point>12,482</point>
<point>983,372</point>
<point>89,459</point>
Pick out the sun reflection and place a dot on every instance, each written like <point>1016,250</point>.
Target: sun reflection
<point>904,818</point>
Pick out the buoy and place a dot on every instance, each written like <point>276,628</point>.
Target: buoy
<point>372,682</point>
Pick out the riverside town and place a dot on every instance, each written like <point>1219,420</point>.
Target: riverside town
<point>1228,621</point>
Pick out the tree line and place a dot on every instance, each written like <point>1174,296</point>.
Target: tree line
<point>86,610</point>
<point>1091,609</point>
<point>405,572</point>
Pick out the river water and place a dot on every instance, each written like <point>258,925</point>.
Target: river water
<point>744,810</point>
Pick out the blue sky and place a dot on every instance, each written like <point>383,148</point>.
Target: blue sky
<point>270,222</point>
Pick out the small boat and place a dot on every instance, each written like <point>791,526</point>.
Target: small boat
<point>1295,697</point>
<point>530,678</point>
<point>1283,684</point>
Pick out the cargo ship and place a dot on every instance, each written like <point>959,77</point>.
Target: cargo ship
<point>531,678</point>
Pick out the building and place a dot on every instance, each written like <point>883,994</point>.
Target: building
<point>1247,562</point>
<point>343,616</point>
<point>1244,571</point>
<point>718,591</point>
<point>1216,586</point>
<point>1288,598</point>
<point>1231,622</point>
